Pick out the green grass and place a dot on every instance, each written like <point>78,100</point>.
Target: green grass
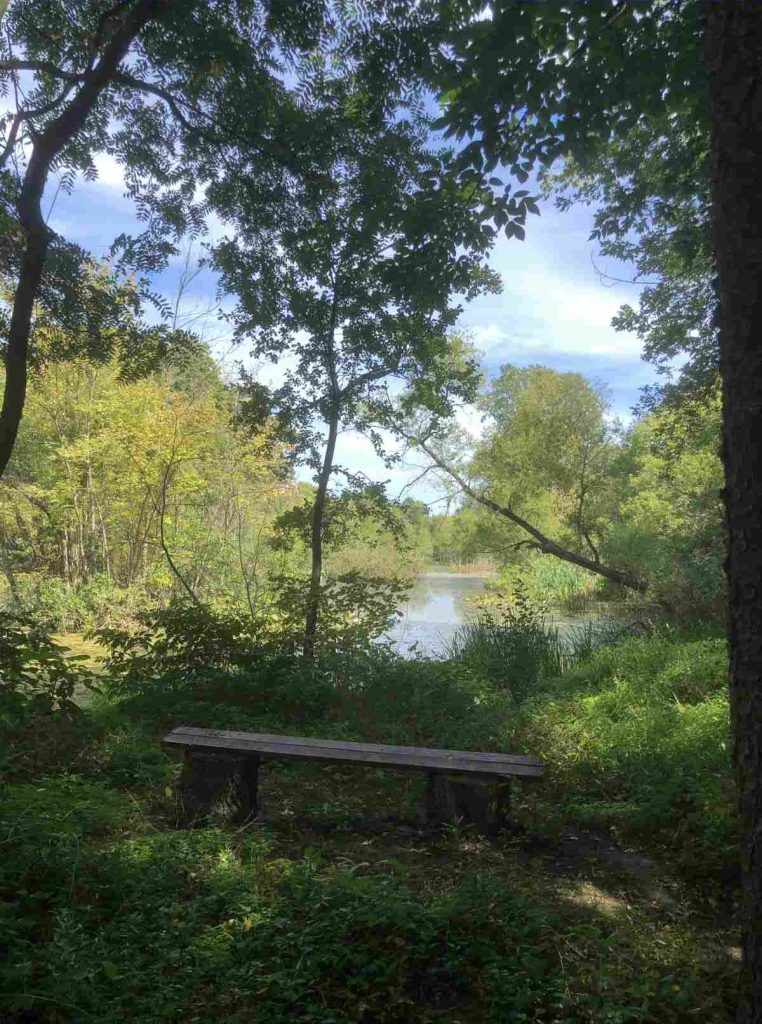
<point>637,740</point>
<point>516,652</point>
<point>338,907</point>
<point>78,644</point>
<point>320,916</point>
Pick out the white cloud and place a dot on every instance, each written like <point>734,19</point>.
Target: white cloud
<point>553,303</point>
<point>487,336</point>
<point>470,419</point>
<point>272,375</point>
<point>110,172</point>
<point>557,316</point>
<point>588,305</point>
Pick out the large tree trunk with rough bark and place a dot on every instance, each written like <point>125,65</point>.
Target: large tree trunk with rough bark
<point>733,54</point>
<point>47,146</point>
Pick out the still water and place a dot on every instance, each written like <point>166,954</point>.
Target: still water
<point>437,605</point>
<point>440,602</point>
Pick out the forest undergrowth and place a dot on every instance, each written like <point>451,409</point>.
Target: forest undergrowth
<point>609,898</point>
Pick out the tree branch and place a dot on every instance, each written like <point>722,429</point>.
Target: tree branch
<point>162,539</point>
<point>44,67</point>
<point>589,542</point>
<point>540,541</point>
<point>47,146</point>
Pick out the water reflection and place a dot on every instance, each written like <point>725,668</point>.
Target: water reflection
<point>441,602</point>
<point>436,606</point>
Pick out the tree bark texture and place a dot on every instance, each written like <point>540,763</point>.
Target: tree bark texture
<point>316,537</point>
<point>733,60</point>
<point>48,145</point>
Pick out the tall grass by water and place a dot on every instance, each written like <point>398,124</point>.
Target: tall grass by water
<point>522,646</point>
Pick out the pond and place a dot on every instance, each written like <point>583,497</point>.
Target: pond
<point>441,602</point>
<point>437,605</point>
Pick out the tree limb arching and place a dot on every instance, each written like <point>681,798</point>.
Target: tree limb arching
<point>47,146</point>
<point>161,508</point>
<point>540,542</point>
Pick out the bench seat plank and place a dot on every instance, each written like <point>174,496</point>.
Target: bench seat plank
<point>474,764</point>
<point>307,741</point>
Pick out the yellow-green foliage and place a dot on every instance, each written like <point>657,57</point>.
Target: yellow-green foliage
<point>546,581</point>
<point>547,450</point>
<point>670,523</point>
<point>107,473</point>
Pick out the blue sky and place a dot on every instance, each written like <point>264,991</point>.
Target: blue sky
<point>554,308</point>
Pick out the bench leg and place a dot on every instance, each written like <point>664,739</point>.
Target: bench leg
<point>482,804</point>
<point>218,788</point>
<point>440,800</point>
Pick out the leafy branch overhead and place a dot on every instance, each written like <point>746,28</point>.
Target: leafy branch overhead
<point>561,459</point>
<point>178,94</point>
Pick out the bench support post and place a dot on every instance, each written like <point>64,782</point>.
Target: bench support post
<point>218,787</point>
<point>482,804</point>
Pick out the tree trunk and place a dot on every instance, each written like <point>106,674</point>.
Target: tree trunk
<point>65,555</point>
<point>539,541</point>
<point>47,147</point>
<point>733,54</point>
<point>17,351</point>
<point>316,540</point>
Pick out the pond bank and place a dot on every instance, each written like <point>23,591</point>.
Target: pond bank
<point>441,601</point>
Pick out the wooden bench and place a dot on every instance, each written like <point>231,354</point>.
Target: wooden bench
<point>219,778</point>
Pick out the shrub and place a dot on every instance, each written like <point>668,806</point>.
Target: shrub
<point>43,826</point>
<point>546,582</point>
<point>41,687</point>
<point>638,738</point>
<point>78,607</point>
<point>355,608</point>
<point>189,926</point>
<point>35,672</point>
<point>179,643</point>
<point>205,926</point>
<point>197,667</point>
<point>516,646</point>
<point>384,698</point>
<point>372,695</point>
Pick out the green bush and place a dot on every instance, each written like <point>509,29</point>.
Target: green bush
<point>638,738</point>
<point>202,926</point>
<point>43,828</point>
<point>685,572</point>
<point>511,655</point>
<point>108,913</point>
<point>70,608</point>
<point>384,698</point>
<point>190,927</point>
<point>546,581</point>
<point>200,668</point>
<point>180,643</point>
<point>371,695</point>
<point>36,673</point>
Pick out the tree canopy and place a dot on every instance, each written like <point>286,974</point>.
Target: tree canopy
<point>175,93</point>
<point>352,281</point>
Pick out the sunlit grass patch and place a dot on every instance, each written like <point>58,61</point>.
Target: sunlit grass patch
<point>637,739</point>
